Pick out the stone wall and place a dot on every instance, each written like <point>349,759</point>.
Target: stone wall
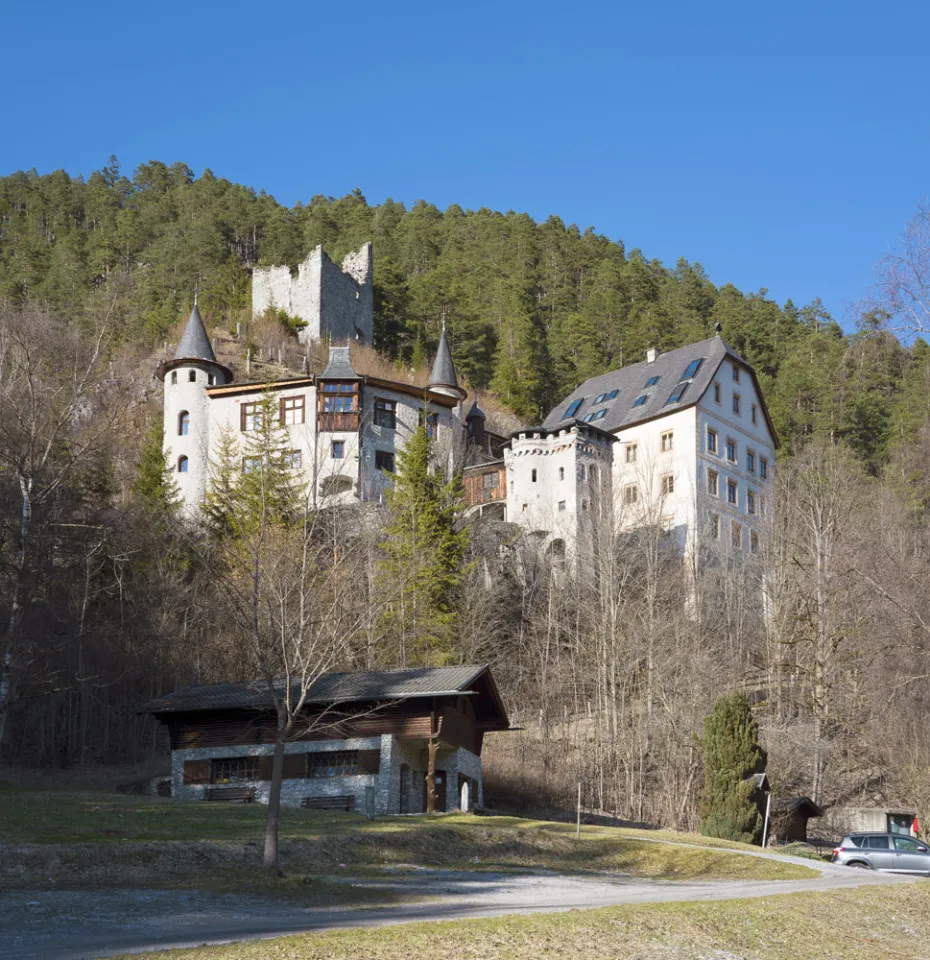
<point>293,791</point>
<point>336,303</point>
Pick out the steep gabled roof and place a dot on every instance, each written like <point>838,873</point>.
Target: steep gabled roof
<point>337,688</point>
<point>630,383</point>
<point>194,343</point>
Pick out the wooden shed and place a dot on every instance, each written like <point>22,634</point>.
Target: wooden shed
<point>790,816</point>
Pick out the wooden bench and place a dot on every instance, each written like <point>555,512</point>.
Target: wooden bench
<point>346,803</point>
<point>229,794</point>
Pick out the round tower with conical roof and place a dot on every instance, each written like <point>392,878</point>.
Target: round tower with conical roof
<point>186,380</point>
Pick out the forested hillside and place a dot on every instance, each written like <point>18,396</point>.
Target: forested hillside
<point>108,600</point>
<point>533,308</point>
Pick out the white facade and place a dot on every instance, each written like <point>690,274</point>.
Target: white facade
<point>701,472</point>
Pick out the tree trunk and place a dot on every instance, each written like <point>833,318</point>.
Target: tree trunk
<point>270,858</point>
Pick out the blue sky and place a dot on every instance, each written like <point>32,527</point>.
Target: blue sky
<point>783,148</point>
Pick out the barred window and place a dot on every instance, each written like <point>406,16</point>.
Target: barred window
<point>490,481</point>
<point>234,770</point>
<point>333,763</point>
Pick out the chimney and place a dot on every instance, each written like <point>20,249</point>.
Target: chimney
<point>652,355</point>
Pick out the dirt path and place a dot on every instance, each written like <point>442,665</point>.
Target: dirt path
<point>74,925</point>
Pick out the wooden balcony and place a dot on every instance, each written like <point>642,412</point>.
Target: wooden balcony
<point>337,422</point>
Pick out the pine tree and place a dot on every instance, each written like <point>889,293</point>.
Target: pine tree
<point>154,484</point>
<point>252,483</point>
<point>730,804</point>
<point>425,549</point>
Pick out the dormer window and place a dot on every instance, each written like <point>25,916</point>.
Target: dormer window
<point>184,423</point>
<point>573,408</point>
<point>692,369</point>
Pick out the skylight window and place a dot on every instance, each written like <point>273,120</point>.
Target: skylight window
<point>599,415</point>
<point>573,408</point>
<point>612,395</point>
<point>693,368</point>
<point>652,381</point>
<point>640,401</point>
<point>604,397</point>
<point>677,393</point>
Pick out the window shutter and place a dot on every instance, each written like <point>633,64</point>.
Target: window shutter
<point>295,766</point>
<point>264,767</point>
<point>196,771</point>
<point>281,408</point>
<point>242,417</point>
<point>369,761</point>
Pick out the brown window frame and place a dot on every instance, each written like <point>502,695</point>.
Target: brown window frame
<point>251,410</point>
<point>295,405</point>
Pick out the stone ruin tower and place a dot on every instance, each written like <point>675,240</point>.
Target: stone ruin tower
<point>336,303</point>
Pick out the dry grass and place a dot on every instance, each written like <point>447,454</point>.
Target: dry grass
<point>872,922</point>
<point>64,840</point>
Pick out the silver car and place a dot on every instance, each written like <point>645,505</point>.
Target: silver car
<point>884,851</point>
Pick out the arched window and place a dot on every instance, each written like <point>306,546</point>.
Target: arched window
<point>174,376</point>
<point>184,423</point>
<point>192,376</point>
<point>331,486</point>
<point>182,464</point>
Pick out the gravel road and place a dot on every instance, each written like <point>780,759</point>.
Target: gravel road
<point>79,925</point>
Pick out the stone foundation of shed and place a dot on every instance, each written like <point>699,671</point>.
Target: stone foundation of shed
<point>398,785</point>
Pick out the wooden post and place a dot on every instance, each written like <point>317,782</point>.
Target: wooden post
<point>578,822</point>
<point>431,765</point>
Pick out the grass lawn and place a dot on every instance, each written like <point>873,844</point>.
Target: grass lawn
<point>87,839</point>
<point>870,922</point>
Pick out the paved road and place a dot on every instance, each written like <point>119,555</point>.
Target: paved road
<point>72,925</point>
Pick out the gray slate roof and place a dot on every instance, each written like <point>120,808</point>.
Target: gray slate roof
<point>476,411</point>
<point>630,383</point>
<point>443,368</point>
<point>339,366</point>
<point>329,688</point>
<point>194,343</point>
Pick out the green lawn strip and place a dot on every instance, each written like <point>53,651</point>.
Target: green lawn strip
<point>870,922</point>
<point>80,835</point>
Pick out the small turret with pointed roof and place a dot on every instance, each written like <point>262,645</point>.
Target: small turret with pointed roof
<point>443,378</point>
<point>194,343</point>
<point>195,347</point>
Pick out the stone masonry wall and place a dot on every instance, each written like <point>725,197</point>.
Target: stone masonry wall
<point>293,791</point>
<point>336,303</point>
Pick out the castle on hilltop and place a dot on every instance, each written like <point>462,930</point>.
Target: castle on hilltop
<point>334,303</point>
<point>681,442</point>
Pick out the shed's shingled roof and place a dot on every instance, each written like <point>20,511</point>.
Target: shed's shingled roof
<point>630,383</point>
<point>194,343</point>
<point>329,688</point>
<point>339,366</point>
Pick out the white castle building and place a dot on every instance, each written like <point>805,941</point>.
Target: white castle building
<point>681,442</point>
<point>343,430</point>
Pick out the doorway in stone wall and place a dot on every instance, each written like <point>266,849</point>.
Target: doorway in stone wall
<point>404,799</point>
